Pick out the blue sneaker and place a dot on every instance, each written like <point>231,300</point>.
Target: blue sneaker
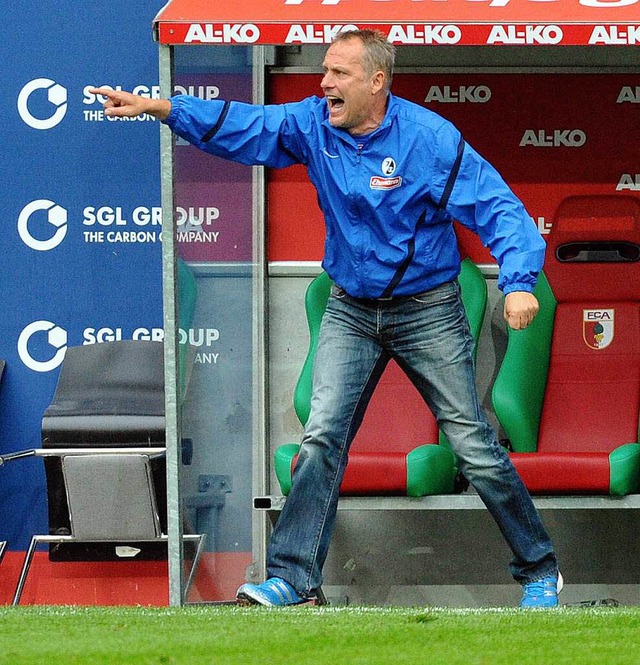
<point>542,593</point>
<point>275,592</point>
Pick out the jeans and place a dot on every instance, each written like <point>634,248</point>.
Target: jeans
<point>428,336</point>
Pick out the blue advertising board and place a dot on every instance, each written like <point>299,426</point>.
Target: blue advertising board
<point>80,214</point>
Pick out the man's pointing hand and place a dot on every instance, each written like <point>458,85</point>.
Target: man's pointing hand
<point>125,104</point>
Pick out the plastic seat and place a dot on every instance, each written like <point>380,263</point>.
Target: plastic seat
<point>395,451</point>
<point>568,390</point>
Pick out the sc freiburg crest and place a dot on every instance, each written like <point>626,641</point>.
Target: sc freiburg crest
<point>597,327</point>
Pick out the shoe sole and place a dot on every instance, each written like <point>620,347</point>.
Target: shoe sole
<point>245,600</point>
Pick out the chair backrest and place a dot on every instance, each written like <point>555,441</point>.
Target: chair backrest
<point>397,417</point>
<point>571,382</point>
<point>111,497</point>
<point>593,249</point>
<point>108,394</point>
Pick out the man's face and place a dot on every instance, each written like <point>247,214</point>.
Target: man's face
<point>347,88</point>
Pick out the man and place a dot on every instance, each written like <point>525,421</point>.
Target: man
<point>390,177</point>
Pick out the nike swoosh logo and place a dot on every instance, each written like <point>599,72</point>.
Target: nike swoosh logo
<point>329,155</point>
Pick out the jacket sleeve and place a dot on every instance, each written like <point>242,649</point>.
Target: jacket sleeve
<point>245,133</point>
<point>483,202</point>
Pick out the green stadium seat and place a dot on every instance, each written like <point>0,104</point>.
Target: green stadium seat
<point>568,390</point>
<point>396,450</point>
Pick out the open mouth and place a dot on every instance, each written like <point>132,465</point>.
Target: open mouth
<point>336,104</point>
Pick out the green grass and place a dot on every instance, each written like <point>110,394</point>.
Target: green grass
<point>300,636</point>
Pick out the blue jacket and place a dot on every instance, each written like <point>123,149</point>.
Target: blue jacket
<point>387,206</point>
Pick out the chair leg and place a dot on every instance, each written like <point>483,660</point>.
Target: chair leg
<point>199,539</point>
<point>3,547</point>
<point>36,540</point>
<point>25,569</point>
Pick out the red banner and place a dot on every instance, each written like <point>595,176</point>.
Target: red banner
<point>426,34</point>
<point>390,11</point>
<point>428,22</point>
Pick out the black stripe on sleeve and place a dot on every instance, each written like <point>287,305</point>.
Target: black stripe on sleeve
<point>214,130</point>
<point>451,180</point>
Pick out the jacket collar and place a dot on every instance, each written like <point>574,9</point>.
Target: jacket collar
<point>389,116</point>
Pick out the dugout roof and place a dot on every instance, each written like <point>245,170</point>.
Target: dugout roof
<point>410,22</point>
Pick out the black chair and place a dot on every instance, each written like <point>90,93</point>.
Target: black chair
<point>103,444</point>
<point>109,395</point>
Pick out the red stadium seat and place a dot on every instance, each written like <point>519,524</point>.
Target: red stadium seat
<point>568,391</point>
<point>395,451</point>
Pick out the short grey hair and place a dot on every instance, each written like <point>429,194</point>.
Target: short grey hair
<point>379,54</point>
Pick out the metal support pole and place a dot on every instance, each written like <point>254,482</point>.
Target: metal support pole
<point>171,344</point>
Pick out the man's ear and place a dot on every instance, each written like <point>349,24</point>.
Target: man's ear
<point>377,82</point>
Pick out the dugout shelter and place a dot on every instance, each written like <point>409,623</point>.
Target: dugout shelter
<point>548,91</point>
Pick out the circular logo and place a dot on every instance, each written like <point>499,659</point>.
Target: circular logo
<point>56,338</point>
<point>56,217</point>
<point>388,166</point>
<point>56,96</point>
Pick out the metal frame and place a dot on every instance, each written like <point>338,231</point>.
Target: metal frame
<point>38,539</point>
<point>275,503</point>
<point>260,445</point>
<point>175,552</point>
<point>58,452</point>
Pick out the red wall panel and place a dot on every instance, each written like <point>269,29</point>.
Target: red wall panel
<point>550,135</point>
